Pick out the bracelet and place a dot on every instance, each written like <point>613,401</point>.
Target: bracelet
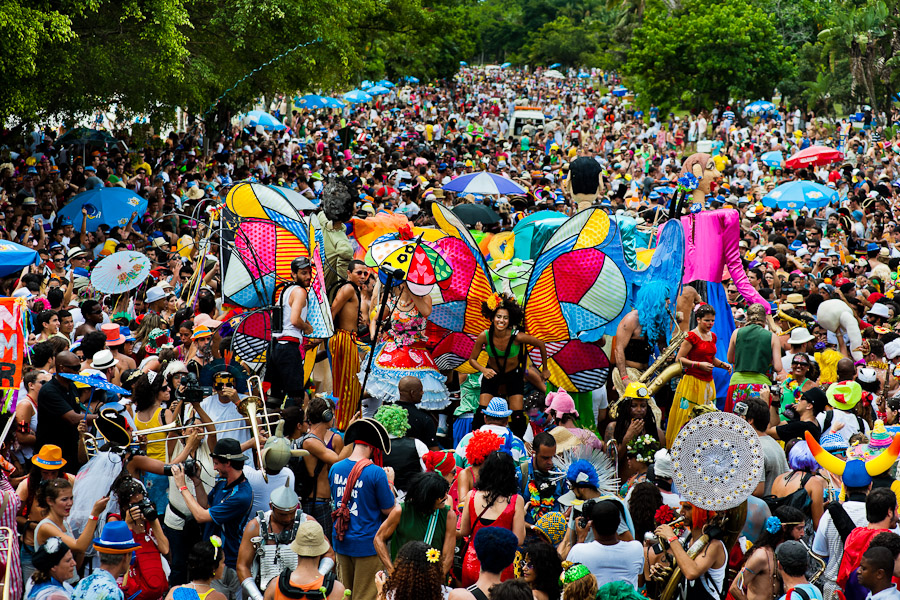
<point>183,488</point>
<point>672,539</point>
<point>94,518</point>
<point>624,377</point>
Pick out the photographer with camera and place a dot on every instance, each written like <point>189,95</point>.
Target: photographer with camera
<point>146,578</point>
<point>222,405</point>
<point>800,416</point>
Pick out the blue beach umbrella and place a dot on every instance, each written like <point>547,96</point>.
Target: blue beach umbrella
<point>311,102</point>
<point>378,90</point>
<point>111,206</point>
<point>484,183</point>
<point>773,159</point>
<point>15,257</point>
<point>357,97</point>
<point>258,118</point>
<point>797,194</point>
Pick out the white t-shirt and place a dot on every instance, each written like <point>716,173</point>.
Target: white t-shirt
<point>851,424</point>
<point>619,562</point>
<point>262,489</point>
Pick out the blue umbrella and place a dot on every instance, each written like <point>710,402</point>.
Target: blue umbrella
<point>312,102</point>
<point>484,183</point>
<point>258,118</point>
<point>366,84</point>
<point>411,79</point>
<point>664,189</point>
<point>584,76</point>
<point>506,65</point>
<point>378,90</point>
<point>14,258</point>
<point>385,83</point>
<point>357,97</point>
<point>555,66</point>
<point>111,206</point>
<point>620,90</point>
<point>463,63</point>
<point>797,194</point>
<point>97,382</point>
<point>773,159</point>
<point>760,107</point>
<point>334,102</point>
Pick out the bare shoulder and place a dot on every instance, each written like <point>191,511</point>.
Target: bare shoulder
<point>460,594</point>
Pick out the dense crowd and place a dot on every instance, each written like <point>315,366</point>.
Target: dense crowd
<point>132,469</point>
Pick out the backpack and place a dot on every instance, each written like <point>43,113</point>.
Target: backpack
<point>798,499</point>
<point>829,418</point>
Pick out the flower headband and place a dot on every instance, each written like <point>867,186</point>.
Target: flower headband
<point>642,448</point>
<point>494,301</point>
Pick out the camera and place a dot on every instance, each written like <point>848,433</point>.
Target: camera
<point>775,390</point>
<point>193,391</point>
<point>740,409</point>
<point>790,413</point>
<point>147,508</point>
<point>190,468</point>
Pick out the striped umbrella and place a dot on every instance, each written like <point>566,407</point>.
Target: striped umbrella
<point>485,183</point>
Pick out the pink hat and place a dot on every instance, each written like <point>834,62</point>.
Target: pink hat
<point>205,319</point>
<point>561,402</point>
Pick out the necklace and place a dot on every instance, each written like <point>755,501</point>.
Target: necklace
<point>194,585</point>
<point>404,305</point>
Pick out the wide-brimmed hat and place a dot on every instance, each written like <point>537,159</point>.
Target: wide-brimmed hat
<point>369,431</point>
<point>104,359</point>
<point>205,319</point>
<point>201,331</point>
<point>114,427</point>
<point>76,252</point>
<point>49,458</point>
<point>310,540</point>
<point>800,335</point>
<point>565,439</point>
<point>115,538</point>
<point>113,333</point>
<point>497,408</point>
<point>844,395</point>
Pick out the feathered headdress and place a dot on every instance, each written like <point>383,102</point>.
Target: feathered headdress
<point>588,466</point>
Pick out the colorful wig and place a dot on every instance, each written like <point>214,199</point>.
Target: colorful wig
<point>650,302</point>
<point>481,444</point>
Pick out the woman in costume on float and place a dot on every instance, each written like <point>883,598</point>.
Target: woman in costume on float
<point>697,355</point>
<point>507,350</point>
<point>401,352</point>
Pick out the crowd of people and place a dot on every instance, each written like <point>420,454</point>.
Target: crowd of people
<point>131,469</point>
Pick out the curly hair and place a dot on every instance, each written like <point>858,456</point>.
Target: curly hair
<point>507,302</point>
<point>581,589</point>
<point>145,391</point>
<point>203,560</point>
<point>643,504</point>
<point>338,199</point>
<point>547,566</point>
<point>125,487</point>
<point>425,489</point>
<point>480,445</point>
<point>497,477</point>
<point>414,577</point>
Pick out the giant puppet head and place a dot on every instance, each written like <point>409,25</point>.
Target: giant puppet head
<point>836,316</point>
<point>583,181</point>
<point>703,167</point>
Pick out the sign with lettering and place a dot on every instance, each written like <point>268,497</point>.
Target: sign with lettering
<point>12,342</point>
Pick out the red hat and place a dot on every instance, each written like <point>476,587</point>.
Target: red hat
<point>114,335</point>
<point>772,261</point>
<point>875,297</point>
<point>841,281</point>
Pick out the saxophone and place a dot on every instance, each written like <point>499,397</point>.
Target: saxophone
<point>663,377</point>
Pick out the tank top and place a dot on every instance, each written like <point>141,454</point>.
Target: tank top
<point>24,453</point>
<point>272,559</point>
<point>414,525</point>
<point>404,459</point>
<point>287,328</point>
<point>156,445</point>
<point>187,593</point>
<point>753,349</point>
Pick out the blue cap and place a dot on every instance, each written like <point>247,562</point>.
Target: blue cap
<point>872,247</point>
<point>65,221</point>
<point>90,168</point>
<point>32,171</point>
<point>796,245</point>
<point>127,333</point>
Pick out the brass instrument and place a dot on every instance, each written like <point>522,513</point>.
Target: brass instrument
<point>248,407</point>
<point>818,559</point>
<point>671,349</point>
<point>732,522</point>
<point>795,323</point>
<point>11,539</point>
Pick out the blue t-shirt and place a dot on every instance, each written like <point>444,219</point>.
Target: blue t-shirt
<point>811,591</point>
<point>229,508</point>
<point>370,496</point>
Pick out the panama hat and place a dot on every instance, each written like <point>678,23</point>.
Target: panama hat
<point>844,395</point>
<point>49,458</point>
<point>800,335</point>
<point>310,540</point>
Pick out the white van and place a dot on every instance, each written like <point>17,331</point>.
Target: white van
<point>525,115</point>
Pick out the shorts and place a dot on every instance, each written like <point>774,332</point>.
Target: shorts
<point>285,370</point>
<point>505,385</point>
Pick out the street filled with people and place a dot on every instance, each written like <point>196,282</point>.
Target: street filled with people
<point>500,337</point>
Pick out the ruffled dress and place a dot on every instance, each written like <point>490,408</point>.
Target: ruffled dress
<point>402,353</point>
